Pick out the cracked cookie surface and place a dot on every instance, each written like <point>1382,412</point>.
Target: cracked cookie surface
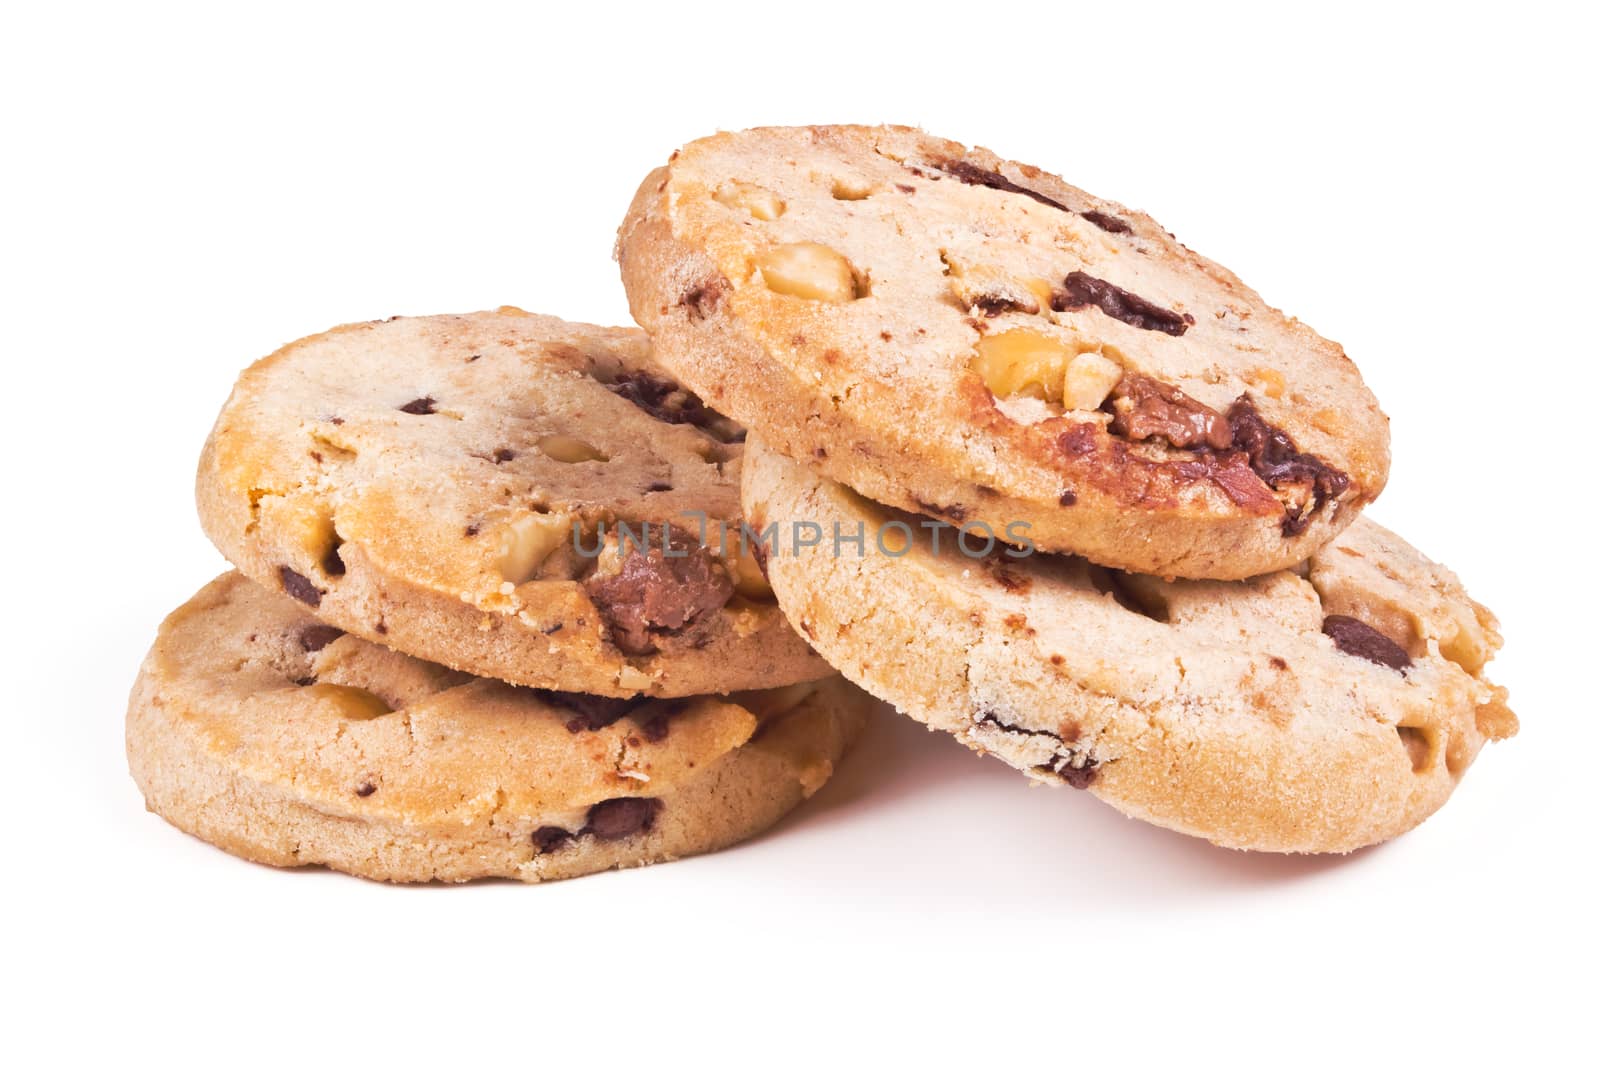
<point>954,333</point>
<point>441,485</point>
<point>263,730</point>
<point>1315,709</point>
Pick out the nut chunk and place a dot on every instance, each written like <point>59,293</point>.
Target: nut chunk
<point>759,201</point>
<point>808,270</point>
<point>658,593</point>
<point>527,541</point>
<point>993,292</point>
<point>1023,361</point>
<point>1090,379</point>
<point>1143,408</point>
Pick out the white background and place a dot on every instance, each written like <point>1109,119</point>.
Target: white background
<point>185,190</point>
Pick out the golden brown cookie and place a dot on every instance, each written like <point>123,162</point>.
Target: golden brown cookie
<point>1317,709</point>
<point>265,731</point>
<point>463,488</point>
<point>956,334</point>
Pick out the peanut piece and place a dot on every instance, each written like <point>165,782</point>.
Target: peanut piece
<point>351,702</point>
<point>759,201</point>
<point>992,291</point>
<point>1023,362</point>
<point>1090,379</point>
<point>569,450</point>
<point>1328,420</point>
<point>808,270</point>
<point>851,189</point>
<point>526,541</point>
<point>1041,289</point>
<point>1270,381</point>
<point>747,577</point>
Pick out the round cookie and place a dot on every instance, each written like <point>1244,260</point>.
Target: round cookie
<point>257,727</point>
<point>440,485</point>
<point>1317,709</point>
<point>955,334</point>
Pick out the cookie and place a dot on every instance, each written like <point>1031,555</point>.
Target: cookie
<point>1316,709</point>
<point>955,334</point>
<point>261,729</point>
<point>469,489</point>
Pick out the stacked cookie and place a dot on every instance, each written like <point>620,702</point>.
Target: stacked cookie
<point>515,598</point>
<point>475,630</point>
<point>1031,470</point>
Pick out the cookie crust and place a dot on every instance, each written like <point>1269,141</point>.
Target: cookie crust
<point>948,246</point>
<point>1219,709</point>
<point>258,728</point>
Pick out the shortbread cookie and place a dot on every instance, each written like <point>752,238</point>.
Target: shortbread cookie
<point>440,485</point>
<point>955,334</point>
<point>1317,709</point>
<point>263,730</point>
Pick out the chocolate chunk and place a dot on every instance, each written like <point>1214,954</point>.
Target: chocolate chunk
<point>1355,638</point>
<point>550,839</point>
<point>658,487</point>
<point>1277,462</point>
<point>332,562</point>
<point>669,402</point>
<point>1241,453</point>
<point>318,636</point>
<point>1077,440</point>
<point>366,789</point>
<point>655,594</point>
<point>1067,498</point>
<point>1109,223</point>
<point>655,728</point>
<point>504,456</point>
<point>472,530</point>
<point>306,680</point>
<point>594,711</point>
<point>1231,473</point>
<point>972,174</point>
<point>1085,291</point>
<point>1142,408</point>
<point>1079,778</point>
<point>622,816</point>
<point>420,406</point>
<point>702,299</point>
<point>299,587</point>
<point>994,306</point>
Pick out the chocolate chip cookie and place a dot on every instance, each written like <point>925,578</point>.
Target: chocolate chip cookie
<point>959,335</point>
<point>503,493</point>
<point>1315,709</point>
<point>264,730</point>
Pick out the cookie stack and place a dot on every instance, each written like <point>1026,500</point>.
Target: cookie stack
<point>470,634</point>
<point>1029,469</point>
<point>515,597</point>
